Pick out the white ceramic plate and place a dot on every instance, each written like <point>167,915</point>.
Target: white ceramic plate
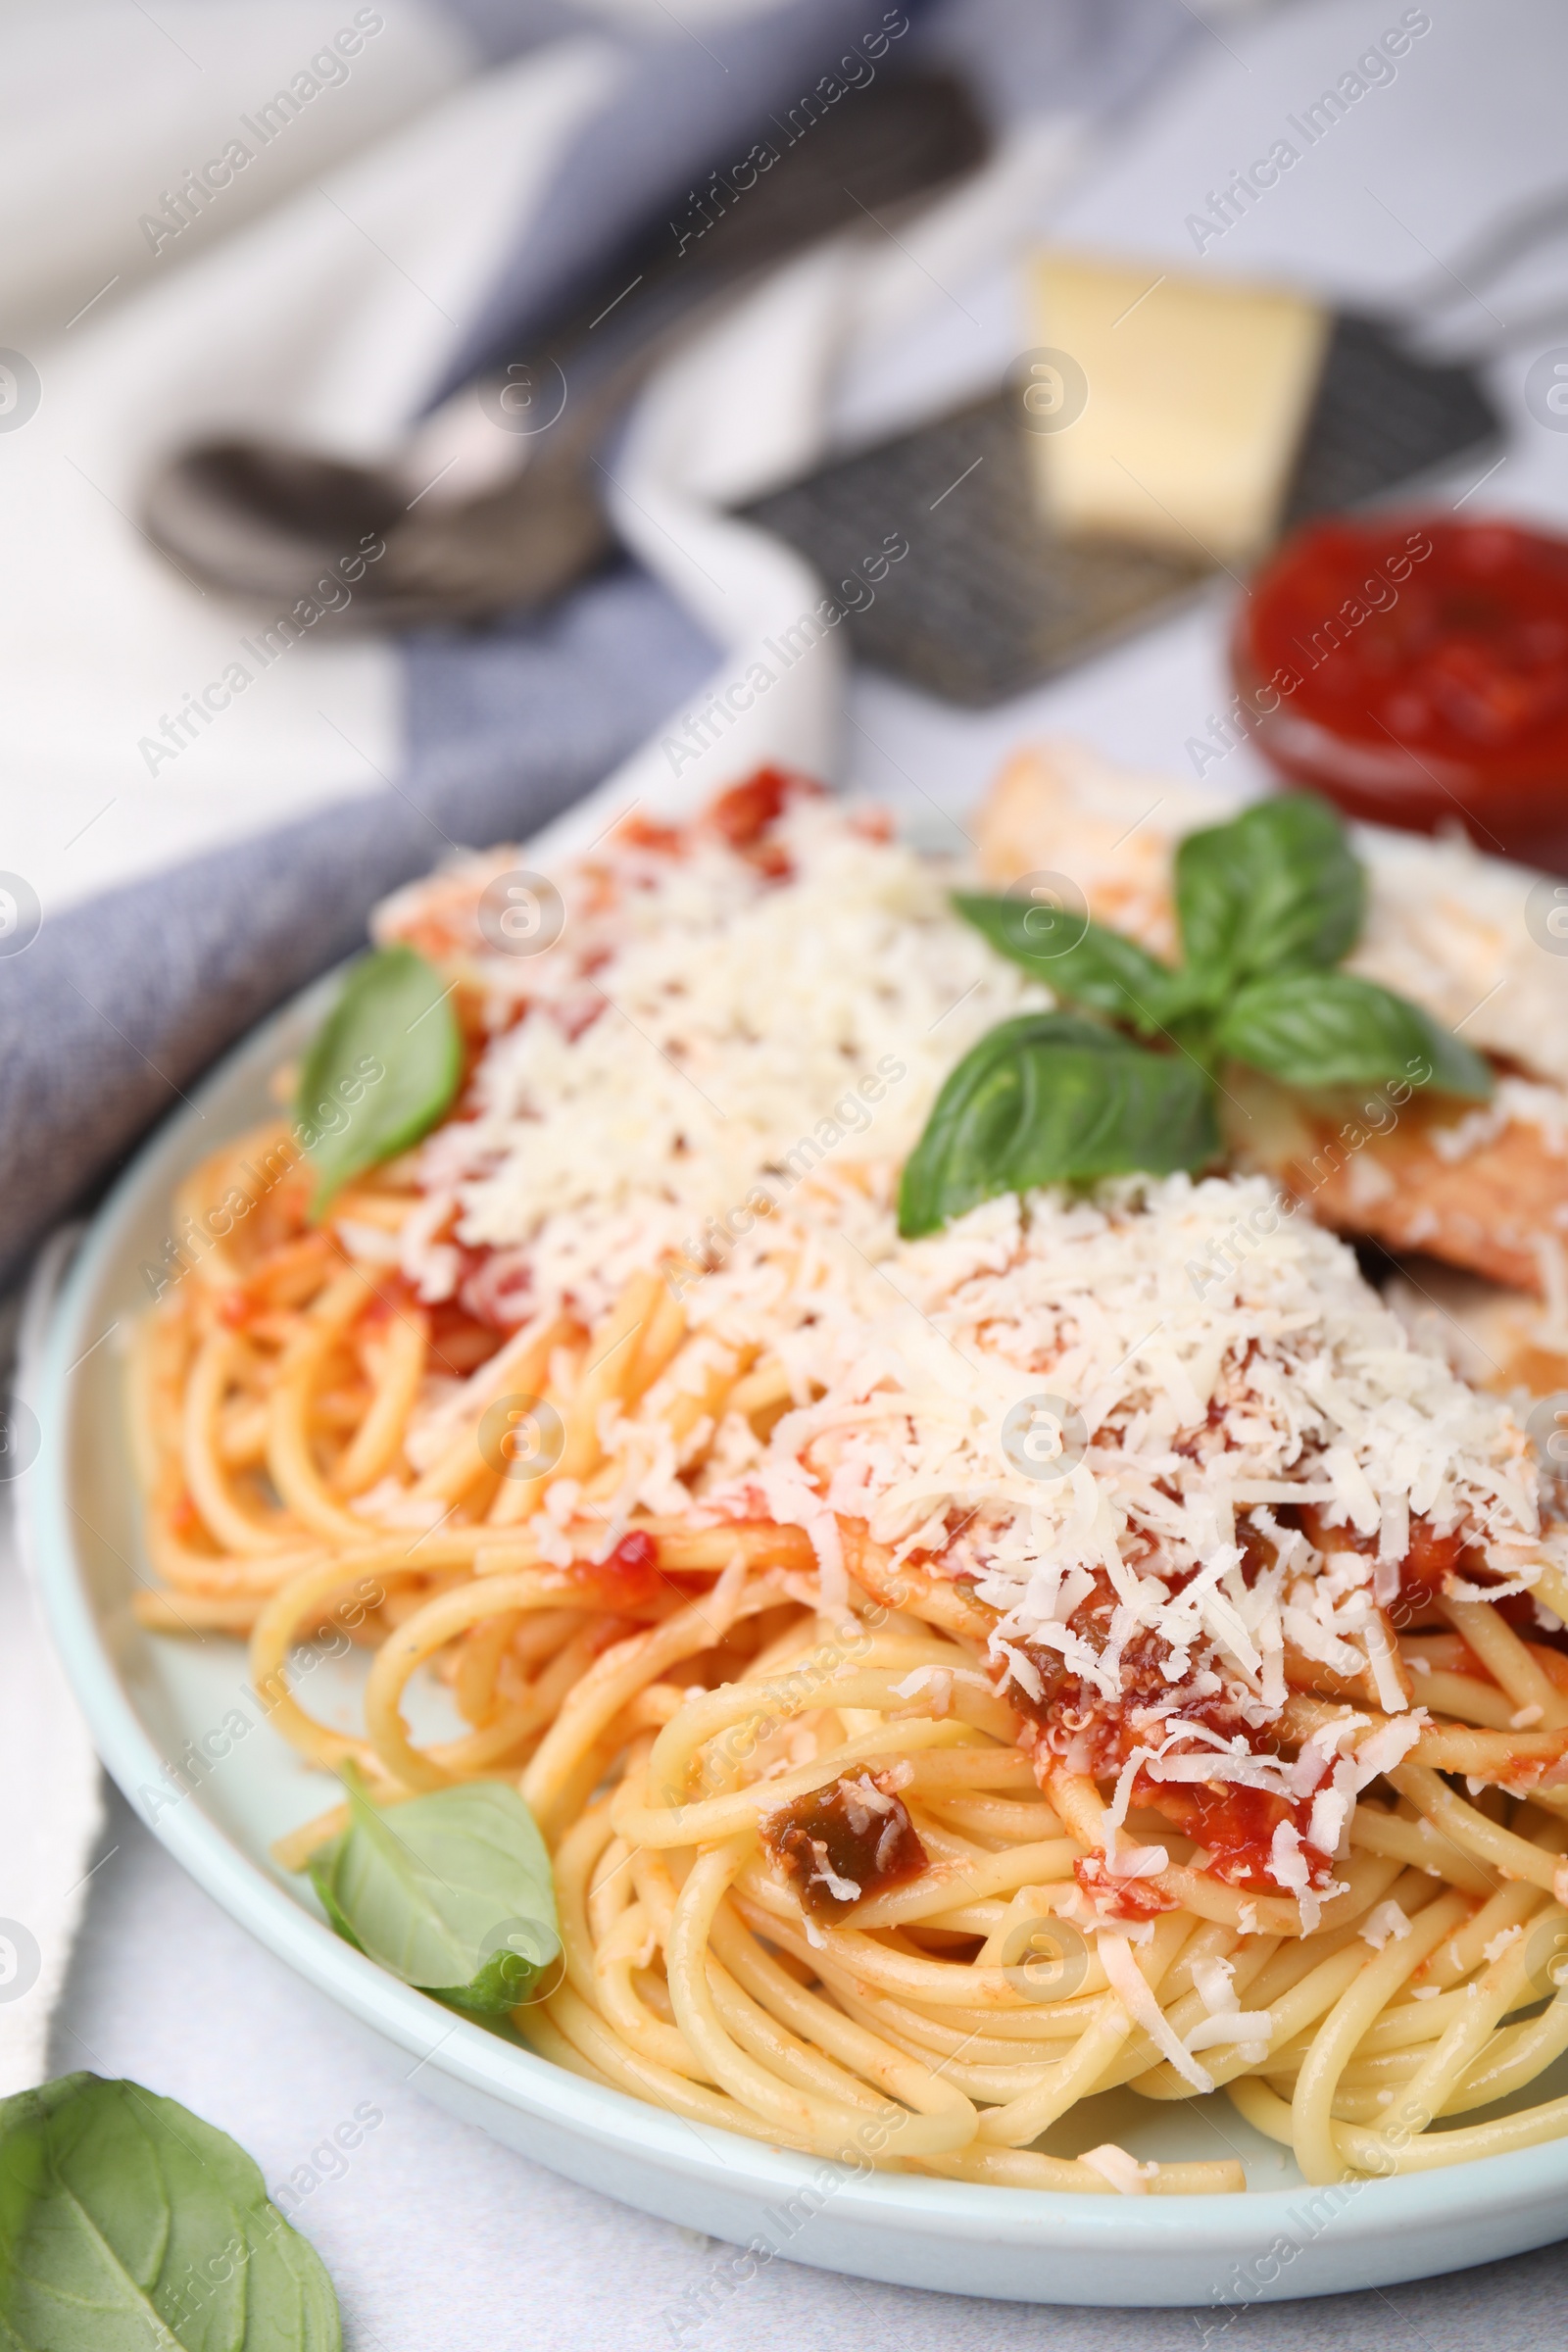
<point>152,1700</point>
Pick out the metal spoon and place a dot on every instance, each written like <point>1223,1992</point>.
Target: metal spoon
<point>262,519</point>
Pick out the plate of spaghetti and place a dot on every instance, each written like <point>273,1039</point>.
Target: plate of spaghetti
<point>732,1347</point>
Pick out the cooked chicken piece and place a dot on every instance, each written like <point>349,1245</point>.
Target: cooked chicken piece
<point>1499,1340</point>
<point>1484,1188</point>
<point>1063,811</point>
<point>1480,1187</point>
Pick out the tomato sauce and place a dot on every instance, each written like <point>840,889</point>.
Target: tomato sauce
<point>744,817</point>
<point>629,1578</point>
<point>1429,1561</point>
<point>1415,671</point>
<point>1122,1898</point>
<point>1233,1825</point>
<point>460,1343</point>
<point>642,833</point>
<point>744,814</point>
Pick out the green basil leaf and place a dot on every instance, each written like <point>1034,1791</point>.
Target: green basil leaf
<point>1088,963</point>
<point>381,1070</point>
<point>126,2223</point>
<point>1051,1099</point>
<point>452,1892</point>
<point>1331,1029</point>
<point>1276,889</point>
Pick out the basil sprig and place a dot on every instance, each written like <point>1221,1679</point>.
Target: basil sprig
<point>1049,1098</point>
<point>1276,889</point>
<point>1310,1029</point>
<point>1098,966</point>
<point>381,1070</point>
<point>124,2219</point>
<point>452,1892</point>
<point>1267,906</point>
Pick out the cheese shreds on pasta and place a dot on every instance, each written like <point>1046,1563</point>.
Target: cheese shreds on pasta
<point>1095,1411</point>
<point>704,1022</point>
<point>1074,1652</point>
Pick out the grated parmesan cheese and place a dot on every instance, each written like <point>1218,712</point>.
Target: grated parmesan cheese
<point>1138,1997</point>
<point>720,1066</point>
<point>702,1028</point>
<point>1386,1918</point>
<point>1289,1378</point>
<point>1122,2171</point>
<point>1250,2026</point>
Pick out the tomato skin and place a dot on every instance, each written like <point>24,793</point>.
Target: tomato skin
<point>1415,671</point>
<point>883,1851</point>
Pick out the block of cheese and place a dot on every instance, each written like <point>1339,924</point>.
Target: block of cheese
<point>1193,395</point>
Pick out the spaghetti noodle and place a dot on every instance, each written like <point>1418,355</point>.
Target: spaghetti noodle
<point>1086,1649</point>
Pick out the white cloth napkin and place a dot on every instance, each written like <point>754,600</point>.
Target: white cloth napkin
<point>328,317</point>
<point>52,1807</point>
<point>751,403</point>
